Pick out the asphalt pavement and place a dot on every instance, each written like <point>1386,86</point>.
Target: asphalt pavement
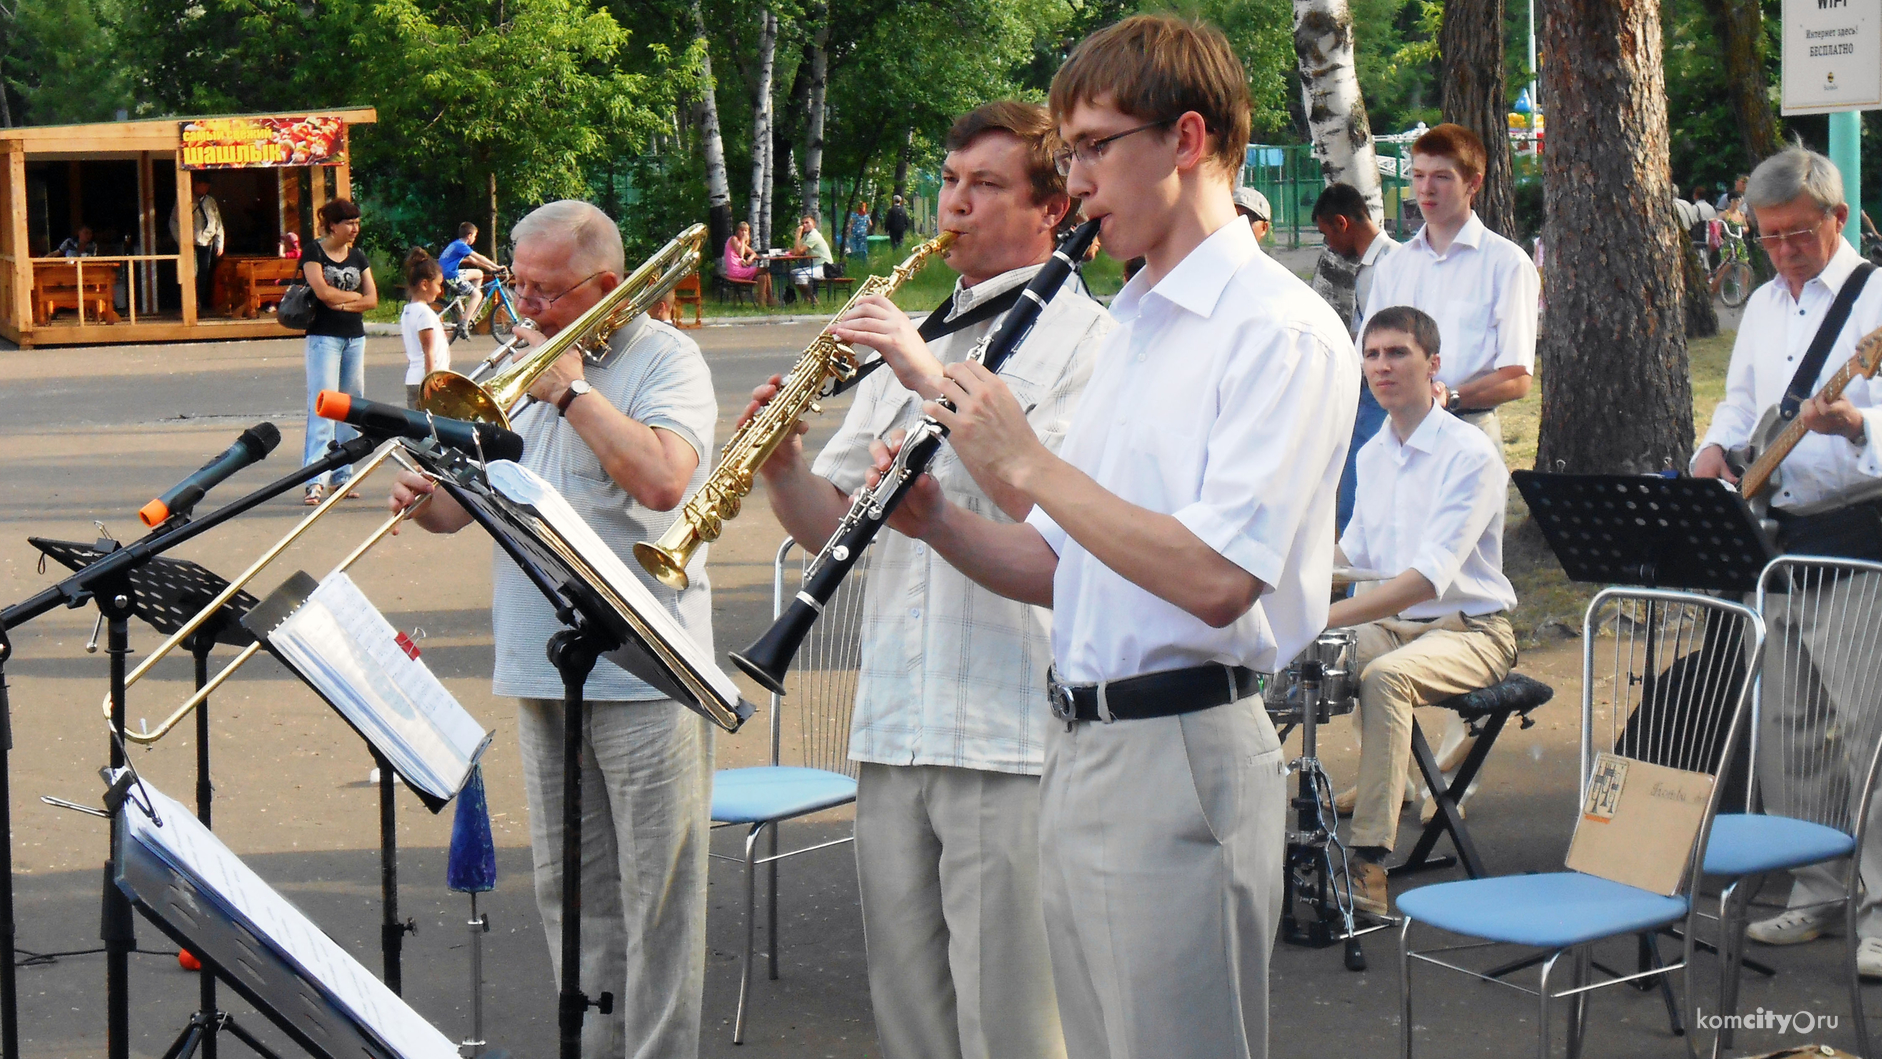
<point>91,434</point>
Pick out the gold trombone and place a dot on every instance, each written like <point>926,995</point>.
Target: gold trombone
<point>389,450</point>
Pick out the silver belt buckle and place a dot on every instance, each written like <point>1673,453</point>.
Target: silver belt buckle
<point>1059,698</point>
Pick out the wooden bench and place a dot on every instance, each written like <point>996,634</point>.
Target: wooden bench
<point>831,284</point>
<point>257,284</point>
<point>685,293</point>
<point>55,287</point>
<point>740,290</point>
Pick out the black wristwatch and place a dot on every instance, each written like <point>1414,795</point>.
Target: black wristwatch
<point>576,389</point>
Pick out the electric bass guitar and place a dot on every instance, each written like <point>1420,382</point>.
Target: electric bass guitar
<point>1775,436</point>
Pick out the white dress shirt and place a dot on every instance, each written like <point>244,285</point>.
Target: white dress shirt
<point>1433,503</point>
<point>1381,245</point>
<point>952,673</point>
<point>1483,292</point>
<point>1225,398</point>
<point>1823,471</point>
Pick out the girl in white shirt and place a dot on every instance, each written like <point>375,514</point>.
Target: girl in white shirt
<point>426,349</point>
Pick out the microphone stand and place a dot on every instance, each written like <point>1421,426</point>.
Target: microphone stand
<point>9,994</point>
<point>106,583</point>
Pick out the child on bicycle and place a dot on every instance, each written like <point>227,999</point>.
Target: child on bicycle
<point>426,349</point>
<point>467,281</point>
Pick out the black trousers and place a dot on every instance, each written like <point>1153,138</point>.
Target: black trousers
<point>205,276</point>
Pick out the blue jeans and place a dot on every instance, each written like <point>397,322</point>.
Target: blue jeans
<point>332,364</point>
<point>1371,416</point>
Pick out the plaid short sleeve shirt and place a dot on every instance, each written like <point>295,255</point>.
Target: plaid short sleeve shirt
<point>953,674</point>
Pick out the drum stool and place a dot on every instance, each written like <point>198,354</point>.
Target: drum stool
<point>1486,711</point>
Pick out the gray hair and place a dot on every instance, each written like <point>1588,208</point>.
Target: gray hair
<point>594,239</point>
<point>1796,170</point>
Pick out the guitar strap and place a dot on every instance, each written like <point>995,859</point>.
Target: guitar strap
<point>1803,383</point>
<point>938,325</point>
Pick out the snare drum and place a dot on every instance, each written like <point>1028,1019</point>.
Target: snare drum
<point>1337,651</point>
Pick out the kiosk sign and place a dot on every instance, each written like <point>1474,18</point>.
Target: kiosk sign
<point>247,143</point>
<point>1832,55</point>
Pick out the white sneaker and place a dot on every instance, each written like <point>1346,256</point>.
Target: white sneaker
<point>1869,958</point>
<point>1798,925</point>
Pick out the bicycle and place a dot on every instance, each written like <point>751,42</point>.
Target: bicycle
<point>499,307</point>
<point>1733,280</point>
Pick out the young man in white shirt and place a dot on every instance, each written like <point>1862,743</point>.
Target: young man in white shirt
<point>1430,512</point>
<point>1184,539</point>
<point>1827,502</point>
<point>951,696</point>
<point>1481,288</point>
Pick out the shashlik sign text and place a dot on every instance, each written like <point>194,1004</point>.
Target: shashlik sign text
<point>245,143</point>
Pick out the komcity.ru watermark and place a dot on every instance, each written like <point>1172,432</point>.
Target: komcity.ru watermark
<point>1760,1019</point>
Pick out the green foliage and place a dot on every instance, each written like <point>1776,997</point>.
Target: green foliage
<point>54,62</point>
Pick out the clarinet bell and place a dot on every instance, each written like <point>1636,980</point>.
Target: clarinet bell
<point>769,658</point>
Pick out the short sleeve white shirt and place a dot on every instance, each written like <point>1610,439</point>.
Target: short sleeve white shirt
<point>1225,398</point>
<point>1381,245</point>
<point>1433,503</point>
<point>1483,291</point>
<point>414,320</point>
<point>1822,471</point>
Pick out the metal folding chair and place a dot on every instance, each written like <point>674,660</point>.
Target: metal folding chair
<point>822,688</point>
<point>1642,706</point>
<point>1816,737</point>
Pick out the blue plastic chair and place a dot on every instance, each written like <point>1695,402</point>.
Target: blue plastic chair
<point>1565,913</point>
<point>1746,846</point>
<point>823,685</point>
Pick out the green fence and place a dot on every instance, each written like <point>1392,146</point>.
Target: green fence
<point>1289,175</point>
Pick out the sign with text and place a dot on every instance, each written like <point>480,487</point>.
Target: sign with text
<point>248,143</point>
<point>1832,55</point>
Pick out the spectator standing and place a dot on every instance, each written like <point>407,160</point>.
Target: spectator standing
<point>426,348</point>
<point>208,235</point>
<point>857,244</point>
<point>336,341</point>
<point>897,224</point>
<point>1254,208</point>
<point>1346,224</point>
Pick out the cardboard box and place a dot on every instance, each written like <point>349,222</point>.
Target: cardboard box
<point>1638,823</point>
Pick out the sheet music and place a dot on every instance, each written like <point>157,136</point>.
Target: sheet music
<point>190,848</point>
<point>524,486</point>
<point>352,656</point>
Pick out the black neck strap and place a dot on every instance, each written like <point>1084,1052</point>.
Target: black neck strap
<point>1804,382</point>
<point>937,326</point>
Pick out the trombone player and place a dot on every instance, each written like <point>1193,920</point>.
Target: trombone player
<point>624,439</point>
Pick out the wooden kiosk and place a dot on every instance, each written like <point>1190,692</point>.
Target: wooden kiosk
<point>130,184</point>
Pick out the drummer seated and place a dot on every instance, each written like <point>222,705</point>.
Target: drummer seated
<point>1429,513</point>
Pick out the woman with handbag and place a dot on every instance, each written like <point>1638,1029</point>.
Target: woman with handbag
<point>341,280</point>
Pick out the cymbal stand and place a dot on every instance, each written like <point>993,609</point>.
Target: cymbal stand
<point>1311,875</point>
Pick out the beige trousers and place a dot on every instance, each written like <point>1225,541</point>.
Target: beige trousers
<point>1160,850</point>
<point>1404,665</point>
<point>948,862</point>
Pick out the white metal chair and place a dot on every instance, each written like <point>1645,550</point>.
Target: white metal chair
<point>822,686</point>
<point>1645,709</point>
<point>1814,764</point>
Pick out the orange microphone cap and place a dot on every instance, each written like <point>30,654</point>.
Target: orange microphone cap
<point>153,513</point>
<point>333,404</point>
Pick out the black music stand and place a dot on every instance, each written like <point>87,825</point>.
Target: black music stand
<point>107,583</point>
<point>1647,530</point>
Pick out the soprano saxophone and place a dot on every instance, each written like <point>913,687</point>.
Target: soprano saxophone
<point>718,501</point>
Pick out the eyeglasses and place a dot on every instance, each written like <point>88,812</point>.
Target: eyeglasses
<point>1089,152</point>
<point>527,293</point>
<point>1797,240</point>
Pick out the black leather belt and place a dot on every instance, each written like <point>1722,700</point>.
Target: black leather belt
<point>1165,694</point>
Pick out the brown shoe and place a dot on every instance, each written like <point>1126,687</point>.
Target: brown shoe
<point>1430,809</point>
<point>1369,887</point>
<point>1344,801</point>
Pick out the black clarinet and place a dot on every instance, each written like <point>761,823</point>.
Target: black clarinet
<point>766,660</point>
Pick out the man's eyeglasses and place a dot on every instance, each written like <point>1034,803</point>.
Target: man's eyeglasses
<point>529,295</point>
<point>1090,151</point>
<point>1797,240</point>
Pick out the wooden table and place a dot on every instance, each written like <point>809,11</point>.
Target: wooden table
<point>56,286</point>
<point>249,286</point>
<point>774,265</point>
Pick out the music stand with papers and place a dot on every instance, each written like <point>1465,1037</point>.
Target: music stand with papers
<point>328,634</point>
<point>606,612</point>
<point>1648,530</point>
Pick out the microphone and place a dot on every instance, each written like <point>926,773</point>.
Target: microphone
<point>390,420</point>
<point>252,447</point>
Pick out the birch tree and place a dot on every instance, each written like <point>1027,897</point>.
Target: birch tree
<point>1329,87</point>
<point>817,56</point>
<point>761,128</point>
<point>718,188</point>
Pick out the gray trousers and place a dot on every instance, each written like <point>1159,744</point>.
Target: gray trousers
<point>646,796</point>
<point>948,861</point>
<point>1160,848</point>
<point>1822,702</point>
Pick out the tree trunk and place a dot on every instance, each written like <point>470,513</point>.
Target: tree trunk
<point>817,55</point>
<point>761,127</point>
<point>901,164</point>
<point>1702,318</point>
<point>1740,28</point>
<point>1471,44</point>
<point>1329,88</point>
<point>1616,390</point>
<point>718,188</point>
